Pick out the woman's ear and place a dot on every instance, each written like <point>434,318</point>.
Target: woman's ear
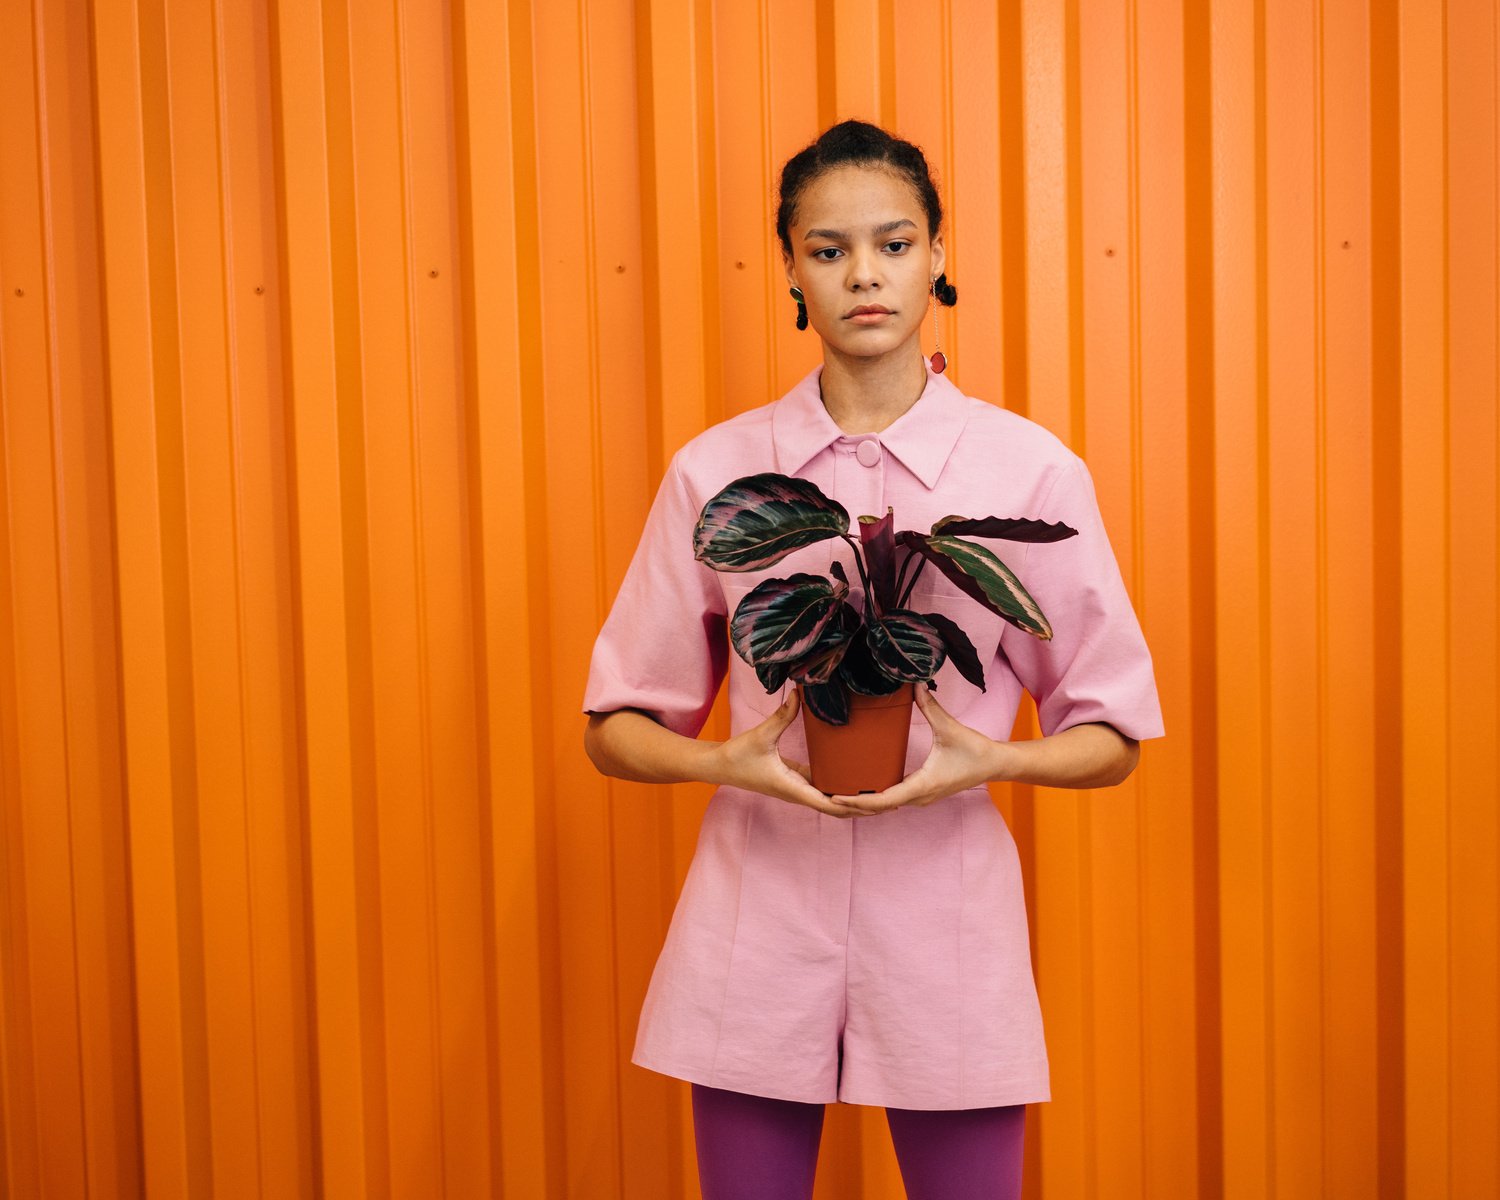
<point>786,265</point>
<point>939,256</point>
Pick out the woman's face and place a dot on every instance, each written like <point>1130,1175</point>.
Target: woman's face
<point>864,261</point>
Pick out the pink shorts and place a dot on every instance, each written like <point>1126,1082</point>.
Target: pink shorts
<point>877,960</point>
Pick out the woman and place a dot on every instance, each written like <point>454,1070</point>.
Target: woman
<point>870,949</point>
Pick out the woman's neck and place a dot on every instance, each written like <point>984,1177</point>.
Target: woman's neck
<point>864,395</point>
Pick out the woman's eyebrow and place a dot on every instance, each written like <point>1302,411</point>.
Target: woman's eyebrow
<point>838,235</point>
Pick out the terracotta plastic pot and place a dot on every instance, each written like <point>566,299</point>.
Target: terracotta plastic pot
<point>866,755</point>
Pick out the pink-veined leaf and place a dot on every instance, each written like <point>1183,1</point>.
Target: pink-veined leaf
<point>758,520</point>
<point>979,574</point>
<point>829,702</point>
<point>781,620</point>
<point>906,646</point>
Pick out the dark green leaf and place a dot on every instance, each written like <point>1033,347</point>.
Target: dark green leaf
<point>820,668</point>
<point>861,673</point>
<point>820,663</point>
<point>828,702</point>
<point>773,675</point>
<point>979,574</point>
<point>960,649</point>
<point>780,620</point>
<point>906,646</point>
<point>759,519</point>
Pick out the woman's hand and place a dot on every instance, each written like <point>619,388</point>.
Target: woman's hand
<point>631,744</point>
<point>960,758</point>
<point>751,760</point>
<point>1091,755</point>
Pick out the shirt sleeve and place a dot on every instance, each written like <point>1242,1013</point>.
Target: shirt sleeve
<point>664,647</point>
<point>1096,667</point>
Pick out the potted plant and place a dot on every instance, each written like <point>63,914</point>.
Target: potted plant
<point>856,667</point>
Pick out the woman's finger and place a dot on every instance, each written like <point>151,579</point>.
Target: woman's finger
<point>791,783</point>
<point>765,734</point>
<point>934,712</point>
<point>824,804</point>
<point>893,797</point>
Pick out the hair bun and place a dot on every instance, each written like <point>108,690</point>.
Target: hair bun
<point>945,292</point>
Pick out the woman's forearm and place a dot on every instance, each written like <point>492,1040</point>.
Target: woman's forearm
<point>1083,756</point>
<point>627,744</point>
<point>630,745</point>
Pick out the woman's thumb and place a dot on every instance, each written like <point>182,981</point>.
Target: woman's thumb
<point>774,723</point>
<point>788,708</point>
<point>928,703</point>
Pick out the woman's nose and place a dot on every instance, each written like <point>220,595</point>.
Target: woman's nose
<point>864,271</point>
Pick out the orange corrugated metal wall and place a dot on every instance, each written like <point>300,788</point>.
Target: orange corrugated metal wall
<point>342,345</point>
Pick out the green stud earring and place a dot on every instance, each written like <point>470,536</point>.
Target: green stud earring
<point>801,307</point>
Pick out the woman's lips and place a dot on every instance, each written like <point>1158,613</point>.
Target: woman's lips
<point>868,315</point>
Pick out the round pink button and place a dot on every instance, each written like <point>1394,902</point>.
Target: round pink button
<point>868,452</point>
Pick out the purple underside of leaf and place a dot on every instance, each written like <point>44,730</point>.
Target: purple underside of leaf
<point>781,620</point>
<point>758,520</point>
<point>877,537</point>
<point>1015,529</point>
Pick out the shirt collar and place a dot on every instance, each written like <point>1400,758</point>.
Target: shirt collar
<point>922,437</point>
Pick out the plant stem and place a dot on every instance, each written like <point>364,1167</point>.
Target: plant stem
<point>864,579</point>
<point>901,571</point>
<point>912,582</point>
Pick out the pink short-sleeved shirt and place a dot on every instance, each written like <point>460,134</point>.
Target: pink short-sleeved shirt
<point>882,960</point>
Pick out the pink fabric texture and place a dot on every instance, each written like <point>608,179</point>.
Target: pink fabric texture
<point>881,960</point>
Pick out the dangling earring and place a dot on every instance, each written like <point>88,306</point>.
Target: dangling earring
<point>939,361</point>
<point>801,308</point>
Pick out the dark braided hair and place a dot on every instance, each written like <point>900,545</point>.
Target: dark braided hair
<point>858,143</point>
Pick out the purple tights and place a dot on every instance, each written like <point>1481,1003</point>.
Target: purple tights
<point>756,1148</point>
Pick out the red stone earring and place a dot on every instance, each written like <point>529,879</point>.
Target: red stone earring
<point>939,361</point>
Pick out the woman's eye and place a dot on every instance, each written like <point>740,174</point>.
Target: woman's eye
<point>898,247</point>
<point>827,253</point>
